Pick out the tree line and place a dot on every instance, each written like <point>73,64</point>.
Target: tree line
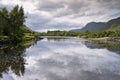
<point>115,32</point>
<point>59,33</point>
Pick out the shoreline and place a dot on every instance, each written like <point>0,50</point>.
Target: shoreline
<point>7,41</point>
<point>106,39</point>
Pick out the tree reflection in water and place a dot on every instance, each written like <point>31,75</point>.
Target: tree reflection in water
<point>12,58</point>
<point>109,45</point>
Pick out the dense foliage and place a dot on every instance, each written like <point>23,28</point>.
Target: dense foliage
<point>12,25</point>
<point>113,32</point>
<point>12,58</point>
<point>59,33</point>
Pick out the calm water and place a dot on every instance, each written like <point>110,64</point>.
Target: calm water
<point>59,59</point>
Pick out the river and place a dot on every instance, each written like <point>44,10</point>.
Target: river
<point>60,59</point>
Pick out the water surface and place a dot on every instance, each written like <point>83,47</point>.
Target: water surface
<point>60,59</point>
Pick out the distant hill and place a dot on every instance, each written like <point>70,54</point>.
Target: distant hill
<point>99,26</point>
<point>114,23</point>
<point>93,26</point>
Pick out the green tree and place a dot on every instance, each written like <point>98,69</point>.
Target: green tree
<point>17,19</point>
<point>4,21</point>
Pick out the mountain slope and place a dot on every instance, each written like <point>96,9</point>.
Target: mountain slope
<point>114,23</point>
<point>99,26</point>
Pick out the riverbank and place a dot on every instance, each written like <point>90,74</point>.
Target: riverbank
<point>26,38</point>
<point>105,39</point>
<point>110,43</point>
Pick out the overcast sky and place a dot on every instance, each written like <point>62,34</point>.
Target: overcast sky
<point>46,15</point>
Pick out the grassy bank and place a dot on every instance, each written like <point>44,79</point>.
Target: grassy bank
<point>27,37</point>
<point>104,39</point>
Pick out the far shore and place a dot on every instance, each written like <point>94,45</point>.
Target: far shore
<point>102,39</point>
<point>105,39</point>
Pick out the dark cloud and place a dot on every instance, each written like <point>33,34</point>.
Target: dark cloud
<point>66,7</point>
<point>110,4</point>
<point>48,5</point>
<point>79,6</point>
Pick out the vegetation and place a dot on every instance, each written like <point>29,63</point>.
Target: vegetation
<point>59,33</point>
<point>12,26</point>
<point>12,58</point>
<point>104,44</point>
<point>113,32</point>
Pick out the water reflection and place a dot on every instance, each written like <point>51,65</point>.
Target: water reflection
<point>111,46</point>
<point>11,58</point>
<point>68,59</point>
